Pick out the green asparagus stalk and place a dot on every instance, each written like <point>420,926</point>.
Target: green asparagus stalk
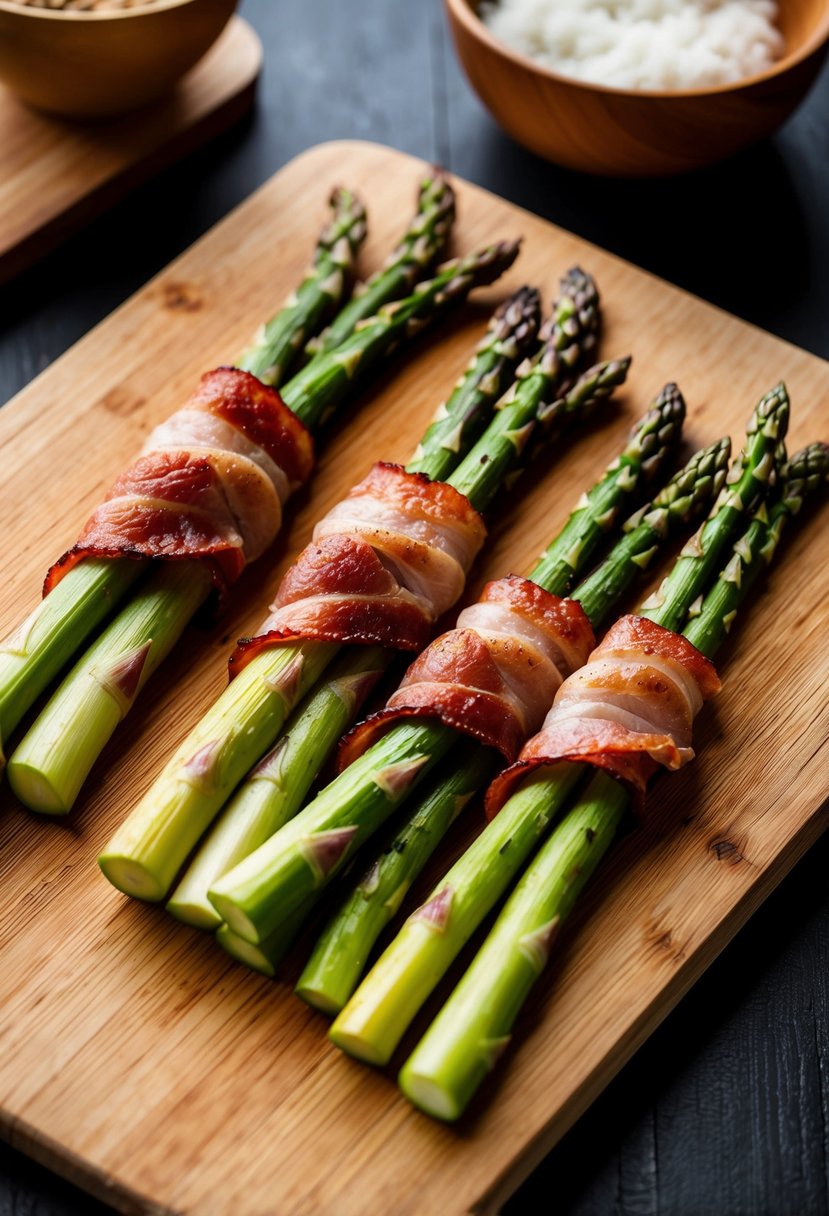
<point>35,653</point>
<point>277,344</point>
<point>101,691</point>
<point>748,481</point>
<point>461,420</point>
<point>276,788</point>
<point>372,1023</point>
<point>475,1026</point>
<point>38,766</point>
<point>421,243</point>
<point>278,785</point>
<point>342,951</point>
<point>473,1029</point>
<point>803,476</point>
<point>644,534</point>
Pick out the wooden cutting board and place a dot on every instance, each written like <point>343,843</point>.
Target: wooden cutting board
<point>56,175</point>
<point>137,1059</point>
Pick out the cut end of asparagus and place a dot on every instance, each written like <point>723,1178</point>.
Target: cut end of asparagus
<point>357,1047</point>
<point>320,999</point>
<point>199,913</point>
<point>235,918</point>
<point>35,791</point>
<point>131,877</point>
<point>244,952</point>
<point>430,1097</point>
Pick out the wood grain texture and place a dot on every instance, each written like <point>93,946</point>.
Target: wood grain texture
<point>136,1060</point>
<point>56,175</point>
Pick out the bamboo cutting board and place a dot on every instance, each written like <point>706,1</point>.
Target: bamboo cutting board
<point>56,174</point>
<point>138,1060</point>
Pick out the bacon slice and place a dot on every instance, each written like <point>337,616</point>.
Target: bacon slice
<point>493,676</point>
<point>629,710</point>
<point>209,483</point>
<point>384,564</point>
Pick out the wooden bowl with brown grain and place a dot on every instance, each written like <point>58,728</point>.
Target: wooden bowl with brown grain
<point>637,133</point>
<point>96,63</point>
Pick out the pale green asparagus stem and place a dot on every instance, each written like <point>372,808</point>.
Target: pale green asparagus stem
<point>276,788</point>
<point>101,691</point>
<point>34,653</point>
<point>268,954</point>
<point>277,344</point>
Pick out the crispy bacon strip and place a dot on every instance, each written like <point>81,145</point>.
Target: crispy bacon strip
<point>629,710</point>
<point>209,484</point>
<point>384,564</point>
<point>492,677</point>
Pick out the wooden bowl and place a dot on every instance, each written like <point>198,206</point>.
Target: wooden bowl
<point>97,64</point>
<point>637,133</point>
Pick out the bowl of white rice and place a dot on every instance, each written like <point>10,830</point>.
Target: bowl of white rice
<point>639,87</point>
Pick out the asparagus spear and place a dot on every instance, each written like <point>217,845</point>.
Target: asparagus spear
<point>336,964</point>
<point>60,624</point>
<point>420,244</point>
<point>372,1023</point>
<point>277,344</point>
<point>284,871</point>
<point>277,787</point>
<point>474,1027</point>
<point>54,758</point>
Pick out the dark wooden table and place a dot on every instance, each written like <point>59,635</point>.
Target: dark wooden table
<point>726,1110</point>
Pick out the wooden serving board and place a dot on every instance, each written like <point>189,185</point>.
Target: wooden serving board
<point>57,174</point>
<point>137,1059</point>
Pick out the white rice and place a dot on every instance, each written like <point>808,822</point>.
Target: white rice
<point>642,44</point>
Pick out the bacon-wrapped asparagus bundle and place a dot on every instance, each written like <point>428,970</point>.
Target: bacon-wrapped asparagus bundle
<point>56,755</point>
<point>521,629</point>
<point>150,848</point>
<point>475,1025</point>
<point>375,1018</point>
